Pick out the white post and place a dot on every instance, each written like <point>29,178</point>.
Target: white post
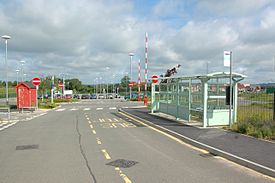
<point>36,98</point>
<point>235,108</point>
<point>230,92</point>
<point>7,87</point>
<point>153,98</point>
<point>52,89</point>
<point>205,98</point>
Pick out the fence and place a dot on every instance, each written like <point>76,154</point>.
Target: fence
<point>256,106</point>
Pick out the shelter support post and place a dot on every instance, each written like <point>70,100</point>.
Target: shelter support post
<point>205,98</point>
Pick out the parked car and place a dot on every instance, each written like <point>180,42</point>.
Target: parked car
<point>93,96</point>
<point>110,96</point>
<point>85,96</point>
<point>68,96</point>
<point>101,96</point>
<point>77,96</point>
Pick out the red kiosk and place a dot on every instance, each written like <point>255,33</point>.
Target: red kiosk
<point>26,95</point>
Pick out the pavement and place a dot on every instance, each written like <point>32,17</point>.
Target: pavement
<point>92,141</point>
<point>248,151</point>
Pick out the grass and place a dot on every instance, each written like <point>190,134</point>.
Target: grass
<point>58,100</point>
<point>263,97</point>
<point>255,120</point>
<point>12,92</point>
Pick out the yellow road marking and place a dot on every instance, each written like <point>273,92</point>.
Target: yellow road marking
<point>167,135</point>
<point>94,132</point>
<point>98,141</point>
<point>122,175</point>
<point>91,126</point>
<point>116,120</point>
<point>107,156</point>
<point>113,125</point>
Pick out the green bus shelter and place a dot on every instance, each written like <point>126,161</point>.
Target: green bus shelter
<point>197,98</point>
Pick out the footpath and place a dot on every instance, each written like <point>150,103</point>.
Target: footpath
<point>248,151</point>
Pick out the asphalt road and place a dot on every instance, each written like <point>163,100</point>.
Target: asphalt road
<point>92,142</point>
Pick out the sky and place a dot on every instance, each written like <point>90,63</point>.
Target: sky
<point>89,39</point>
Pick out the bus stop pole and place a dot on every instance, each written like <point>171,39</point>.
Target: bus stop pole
<point>230,91</point>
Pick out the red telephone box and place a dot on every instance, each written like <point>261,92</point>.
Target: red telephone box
<point>26,95</point>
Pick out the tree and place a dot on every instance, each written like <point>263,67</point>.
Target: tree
<point>125,81</point>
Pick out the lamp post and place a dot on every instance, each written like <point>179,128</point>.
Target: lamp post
<point>25,76</point>
<point>107,68</point>
<point>131,57</point>
<point>6,37</point>
<point>96,79</point>
<point>114,76</point>
<point>17,71</point>
<point>100,80</point>
<point>22,64</point>
<point>126,86</point>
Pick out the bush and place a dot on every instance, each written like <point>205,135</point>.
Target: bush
<point>256,127</point>
<point>48,105</point>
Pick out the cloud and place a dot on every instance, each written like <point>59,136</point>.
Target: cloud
<point>82,38</point>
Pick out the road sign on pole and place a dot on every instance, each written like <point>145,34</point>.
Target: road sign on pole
<point>36,82</point>
<point>60,85</point>
<point>155,79</point>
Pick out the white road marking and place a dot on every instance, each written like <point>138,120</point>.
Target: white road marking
<point>116,120</point>
<point>99,108</point>
<point>3,124</point>
<point>112,108</point>
<point>4,127</point>
<point>73,109</point>
<point>59,110</point>
<point>87,109</point>
<point>110,120</point>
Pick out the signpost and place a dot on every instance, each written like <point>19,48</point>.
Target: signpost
<point>228,63</point>
<point>154,78</point>
<point>36,82</point>
<point>60,85</point>
<point>131,84</point>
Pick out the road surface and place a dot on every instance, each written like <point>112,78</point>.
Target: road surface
<point>92,142</point>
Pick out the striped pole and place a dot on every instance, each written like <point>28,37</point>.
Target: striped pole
<point>146,63</point>
<point>139,80</point>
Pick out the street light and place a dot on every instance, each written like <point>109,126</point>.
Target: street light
<point>25,77</point>
<point>6,37</point>
<point>17,71</point>
<point>22,64</point>
<point>100,80</point>
<point>131,57</point>
<point>113,91</point>
<point>107,68</point>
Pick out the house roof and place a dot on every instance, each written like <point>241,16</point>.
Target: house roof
<point>26,84</point>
